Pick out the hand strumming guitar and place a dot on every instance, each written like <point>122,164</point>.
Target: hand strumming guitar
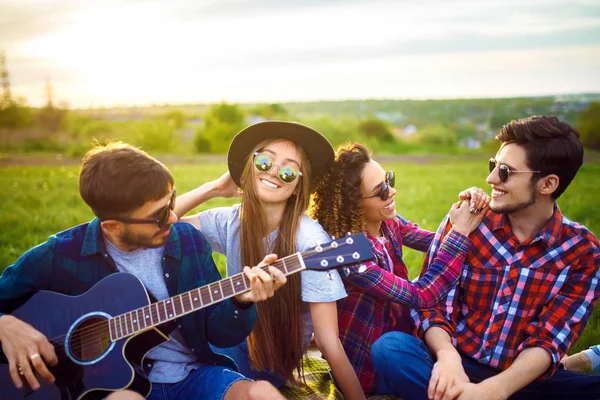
<point>27,351</point>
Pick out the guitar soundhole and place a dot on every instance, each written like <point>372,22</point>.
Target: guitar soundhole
<point>89,340</point>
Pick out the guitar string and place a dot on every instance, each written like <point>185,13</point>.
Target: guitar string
<point>160,315</point>
<point>93,337</point>
<point>88,337</point>
<point>91,332</point>
<point>155,313</point>
<point>95,332</point>
<point>102,325</point>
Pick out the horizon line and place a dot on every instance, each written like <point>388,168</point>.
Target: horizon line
<point>336,100</point>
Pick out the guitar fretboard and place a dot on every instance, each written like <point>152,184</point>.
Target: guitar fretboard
<point>147,317</point>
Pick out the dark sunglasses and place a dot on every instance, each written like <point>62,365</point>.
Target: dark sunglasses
<point>384,189</point>
<point>286,174</point>
<point>162,218</point>
<point>503,171</point>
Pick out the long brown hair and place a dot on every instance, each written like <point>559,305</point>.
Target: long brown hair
<point>336,200</point>
<point>276,341</point>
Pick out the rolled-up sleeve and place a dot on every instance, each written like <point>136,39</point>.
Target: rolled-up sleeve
<point>561,320</point>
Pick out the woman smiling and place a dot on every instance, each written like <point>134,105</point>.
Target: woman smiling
<point>275,164</point>
<point>358,195</point>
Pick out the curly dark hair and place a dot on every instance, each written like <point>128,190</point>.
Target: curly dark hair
<point>337,193</point>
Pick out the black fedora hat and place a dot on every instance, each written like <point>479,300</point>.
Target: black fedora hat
<point>317,147</point>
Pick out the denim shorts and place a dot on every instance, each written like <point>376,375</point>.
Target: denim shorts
<point>209,382</point>
<point>241,356</point>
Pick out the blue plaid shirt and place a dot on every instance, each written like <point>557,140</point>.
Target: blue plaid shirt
<point>71,262</point>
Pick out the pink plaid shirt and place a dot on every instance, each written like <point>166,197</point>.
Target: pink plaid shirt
<point>379,299</point>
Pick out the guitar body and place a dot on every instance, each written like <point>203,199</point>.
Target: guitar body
<point>90,365</point>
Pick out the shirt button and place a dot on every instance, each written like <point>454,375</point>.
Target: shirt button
<point>179,326</point>
<point>235,312</point>
<point>193,350</point>
<point>167,275</point>
<point>149,365</point>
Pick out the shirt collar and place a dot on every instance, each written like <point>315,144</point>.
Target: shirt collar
<point>173,243</point>
<point>548,234</point>
<point>388,234</point>
<point>92,241</point>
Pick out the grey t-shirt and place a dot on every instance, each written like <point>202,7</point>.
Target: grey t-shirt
<point>173,359</point>
<point>221,227</point>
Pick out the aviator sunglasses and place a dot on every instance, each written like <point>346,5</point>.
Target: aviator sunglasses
<point>384,189</point>
<point>286,174</point>
<point>503,170</point>
<point>160,220</point>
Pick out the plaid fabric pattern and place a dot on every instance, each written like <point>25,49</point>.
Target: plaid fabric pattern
<point>512,295</point>
<point>316,383</point>
<point>379,299</point>
<point>71,262</point>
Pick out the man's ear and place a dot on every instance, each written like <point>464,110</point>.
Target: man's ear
<point>112,227</point>
<point>548,184</point>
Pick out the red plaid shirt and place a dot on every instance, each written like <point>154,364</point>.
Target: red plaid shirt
<point>512,295</point>
<point>379,298</point>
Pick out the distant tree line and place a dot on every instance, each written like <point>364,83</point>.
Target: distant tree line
<point>391,126</point>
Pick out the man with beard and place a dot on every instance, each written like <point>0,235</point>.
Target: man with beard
<point>528,287</point>
<point>136,231</point>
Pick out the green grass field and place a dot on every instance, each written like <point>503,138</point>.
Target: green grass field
<point>39,201</point>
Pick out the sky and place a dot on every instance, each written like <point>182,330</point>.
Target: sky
<point>126,52</point>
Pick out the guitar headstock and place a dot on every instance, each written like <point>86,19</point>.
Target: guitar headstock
<point>347,250</point>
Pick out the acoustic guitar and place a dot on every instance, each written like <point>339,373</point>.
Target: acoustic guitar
<point>102,336</point>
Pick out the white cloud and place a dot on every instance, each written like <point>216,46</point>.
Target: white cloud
<point>148,51</point>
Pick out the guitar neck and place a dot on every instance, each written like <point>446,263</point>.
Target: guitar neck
<point>152,315</point>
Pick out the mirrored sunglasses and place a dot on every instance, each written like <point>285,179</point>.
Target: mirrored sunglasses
<point>286,173</point>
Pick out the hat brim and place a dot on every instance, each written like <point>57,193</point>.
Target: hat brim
<point>317,147</point>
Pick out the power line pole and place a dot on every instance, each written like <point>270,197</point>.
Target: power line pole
<point>6,98</point>
<point>49,94</point>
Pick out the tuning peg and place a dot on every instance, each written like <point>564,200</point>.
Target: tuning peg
<point>318,249</point>
<point>349,240</point>
<point>349,234</point>
<point>334,245</point>
<point>346,271</point>
<point>332,237</point>
<point>356,255</point>
<point>339,259</point>
<point>362,268</point>
<point>324,263</point>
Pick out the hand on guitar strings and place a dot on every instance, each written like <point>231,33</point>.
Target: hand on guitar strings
<point>27,351</point>
<point>262,284</point>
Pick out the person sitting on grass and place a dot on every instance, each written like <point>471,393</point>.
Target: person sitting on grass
<point>528,287</point>
<point>136,231</point>
<point>358,195</point>
<point>275,164</point>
